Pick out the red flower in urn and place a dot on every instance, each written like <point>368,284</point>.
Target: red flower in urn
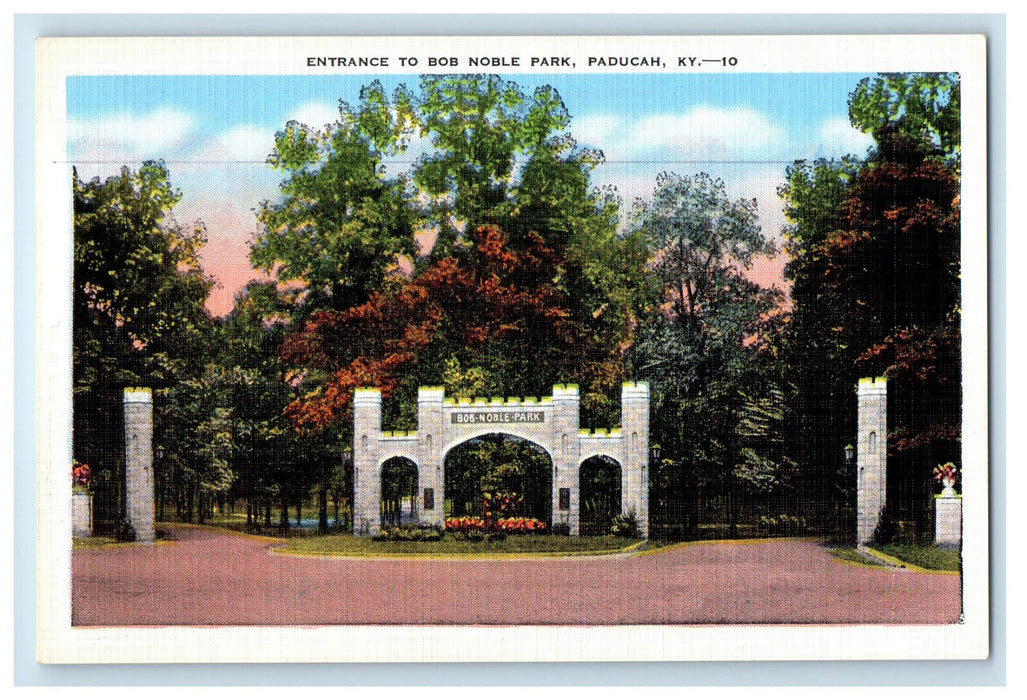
<point>945,472</point>
<point>81,476</point>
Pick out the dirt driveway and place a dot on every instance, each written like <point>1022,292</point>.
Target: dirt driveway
<point>212,578</point>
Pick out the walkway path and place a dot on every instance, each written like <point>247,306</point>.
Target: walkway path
<point>212,578</point>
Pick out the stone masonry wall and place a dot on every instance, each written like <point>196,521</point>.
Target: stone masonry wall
<point>139,493</point>
<point>871,456</point>
<point>635,467</point>
<point>551,422</point>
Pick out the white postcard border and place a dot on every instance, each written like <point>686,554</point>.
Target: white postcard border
<point>57,642</point>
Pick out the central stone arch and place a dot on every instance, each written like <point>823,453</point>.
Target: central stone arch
<point>521,445</point>
<point>551,422</point>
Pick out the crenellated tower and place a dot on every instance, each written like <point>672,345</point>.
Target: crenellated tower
<point>367,428</point>
<point>635,427</point>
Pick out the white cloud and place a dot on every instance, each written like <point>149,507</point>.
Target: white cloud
<point>706,130</point>
<point>146,136</point>
<point>596,130</point>
<point>316,114</point>
<point>248,143</point>
<point>703,134</point>
<point>838,138</point>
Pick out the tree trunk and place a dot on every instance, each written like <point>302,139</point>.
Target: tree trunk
<point>201,507</point>
<point>734,506</point>
<point>322,507</point>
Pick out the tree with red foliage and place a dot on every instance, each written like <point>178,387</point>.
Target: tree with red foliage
<point>875,249</point>
<point>490,300</point>
<point>527,283</point>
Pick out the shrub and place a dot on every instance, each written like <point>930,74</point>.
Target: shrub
<point>468,525</point>
<point>124,532</point>
<point>562,529</point>
<point>624,525</point>
<point>783,524</point>
<point>409,534</point>
<point>464,525</point>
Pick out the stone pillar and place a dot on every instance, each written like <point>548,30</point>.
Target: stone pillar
<point>430,444</point>
<point>635,470</point>
<point>81,515</point>
<point>565,456</point>
<point>871,456</point>
<point>138,404</point>
<point>948,520</point>
<point>367,483</point>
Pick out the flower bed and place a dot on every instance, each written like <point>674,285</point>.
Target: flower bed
<point>519,525</point>
<point>508,525</point>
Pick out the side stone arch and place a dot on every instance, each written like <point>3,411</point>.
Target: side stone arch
<point>601,493</point>
<point>395,509</point>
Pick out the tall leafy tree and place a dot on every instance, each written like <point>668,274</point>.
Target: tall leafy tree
<point>701,333</point>
<point>821,361</point>
<point>923,107</point>
<point>478,126</point>
<point>526,262</point>
<point>138,311</point>
<point>342,223</point>
<point>875,249</point>
<point>249,340</point>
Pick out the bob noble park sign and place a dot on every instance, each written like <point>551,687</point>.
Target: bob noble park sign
<point>497,417</point>
<point>550,422</point>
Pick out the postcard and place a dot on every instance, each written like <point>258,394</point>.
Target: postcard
<point>579,348</point>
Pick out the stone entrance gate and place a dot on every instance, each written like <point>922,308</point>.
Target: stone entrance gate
<point>550,422</point>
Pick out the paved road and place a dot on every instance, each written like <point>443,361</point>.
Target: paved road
<point>211,578</point>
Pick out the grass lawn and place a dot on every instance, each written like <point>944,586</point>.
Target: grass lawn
<point>853,555</point>
<point>348,545</point>
<point>106,542</point>
<point>924,556</point>
<point>919,555</point>
<point>92,542</point>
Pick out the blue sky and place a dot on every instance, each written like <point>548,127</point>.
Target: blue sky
<point>214,133</point>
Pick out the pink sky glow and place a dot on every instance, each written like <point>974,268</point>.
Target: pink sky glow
<point>225,257</point>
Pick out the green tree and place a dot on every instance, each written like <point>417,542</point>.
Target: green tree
<point>875,248</point>
<point>275,462</point>
<point>342,223</point>
<point>923,107</point>
<point>199,431</point>
<point>762,464</point>
<point>822,416</point>
<point>701,333</point>
<point>539,271</point>
<point>249,340</point>
<point>478,126</point>
<point>138,312</point>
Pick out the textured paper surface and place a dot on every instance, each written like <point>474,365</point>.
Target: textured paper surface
<point>681,127</point>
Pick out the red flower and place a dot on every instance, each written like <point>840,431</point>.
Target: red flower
<point>81,475</point>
